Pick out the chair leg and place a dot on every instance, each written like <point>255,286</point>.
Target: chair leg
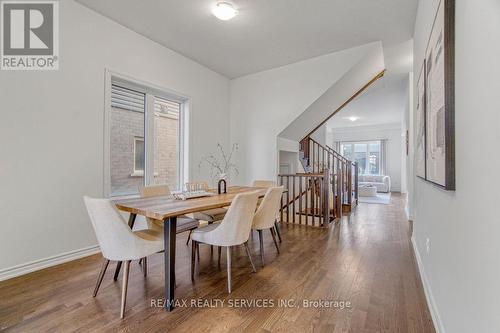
<point>261,241</point>
<point>219,250</point>
<point>274,239</point>
<point>189,236</point>
<point>117,270</point>
<point>101,275</point>
<point>228,251</point>
<point>193,258</point>
<point>124,288</point>
<point>278,232</point>
<point>198,251</point>
<point>250,256</point>
<point>145,266</point>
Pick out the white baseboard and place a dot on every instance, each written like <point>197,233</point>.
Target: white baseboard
<point>36,265</point>
<point>431,303</point>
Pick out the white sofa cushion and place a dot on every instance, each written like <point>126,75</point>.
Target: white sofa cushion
<point>381,182</point>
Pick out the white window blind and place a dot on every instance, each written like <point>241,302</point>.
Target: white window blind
<point>165,107</point>
<point>168,108</point>
<point>127,99</point>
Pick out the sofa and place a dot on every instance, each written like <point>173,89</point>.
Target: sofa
<point>381,182</point>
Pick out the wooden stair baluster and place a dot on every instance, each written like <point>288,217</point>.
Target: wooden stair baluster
<point>327,175</point>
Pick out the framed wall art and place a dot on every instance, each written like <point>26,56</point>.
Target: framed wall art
<point>420,125</point>
<point>439,110</point>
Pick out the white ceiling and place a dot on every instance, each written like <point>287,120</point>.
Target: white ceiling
<point>381,103</point>
<point>266,33</point>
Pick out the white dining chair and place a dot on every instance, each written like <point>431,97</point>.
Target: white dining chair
<point>118,242</point>
<point>265,217</point>
<point>210,215</point>
<point>264,183</point>
<point>184,223</point>
<point>268,184</point>
<point>232,231</point>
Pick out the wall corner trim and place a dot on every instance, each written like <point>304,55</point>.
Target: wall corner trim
<point>37,265</point>
<point>431,303</point>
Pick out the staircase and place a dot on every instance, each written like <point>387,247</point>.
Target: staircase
<point>328,187</point>
<point>326,190</point>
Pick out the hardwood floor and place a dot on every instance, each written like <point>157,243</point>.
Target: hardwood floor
<point>366,260</point>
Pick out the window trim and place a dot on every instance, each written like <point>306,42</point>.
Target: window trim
<point>151,90</point>
<point>136,172</point>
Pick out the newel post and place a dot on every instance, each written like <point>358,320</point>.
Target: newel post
<point>356,170</point>
<point>326,197</point>
<point>349,182</point>
<point>339,199</point>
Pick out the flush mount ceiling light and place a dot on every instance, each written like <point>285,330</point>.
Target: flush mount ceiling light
<point>353,118</point>
<point>224,10</point>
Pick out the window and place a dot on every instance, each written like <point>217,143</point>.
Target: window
<point>166,143</point>
<point>368,155</point>
<point>360,156</point>
<point>374,158</point>
<point>139,157</point>
<point>346,151</point>
<point>127,149</point>
<point>145,143</point>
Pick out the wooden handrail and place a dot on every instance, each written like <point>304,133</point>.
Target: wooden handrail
<point>297,197</point>
<point>327,148</point>
<point>318,157</point>
<point>378,76</point>
<point>337,154</point>
<point>313,195</point>
<point>341,168</point>
<point>328,173</point>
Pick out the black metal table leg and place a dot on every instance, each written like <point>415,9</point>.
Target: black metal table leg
<point>169,234</point>
<point>131,221</point>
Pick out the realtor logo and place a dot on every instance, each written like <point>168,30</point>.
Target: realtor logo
<point>29,35</point>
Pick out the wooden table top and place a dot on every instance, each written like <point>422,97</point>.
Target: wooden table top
<point>162,207</point>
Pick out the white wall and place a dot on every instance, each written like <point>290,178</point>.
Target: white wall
<point>288,152</point>
<point>389,132</point>
<point>383,102</point>
<point>263,104</point>
<point>462,269</point>
<point>291,159</point>
<point>320,135</point>
<point>51,129</point>
<point>287,145</point>
<point>356,78</point>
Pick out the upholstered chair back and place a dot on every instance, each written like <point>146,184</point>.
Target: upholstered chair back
<point>236,225</point>
<point>268,209</point>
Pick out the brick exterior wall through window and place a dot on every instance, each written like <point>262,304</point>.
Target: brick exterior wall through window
<point>127,125</point>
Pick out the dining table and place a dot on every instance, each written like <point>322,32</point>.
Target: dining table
<point>167,209</point>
